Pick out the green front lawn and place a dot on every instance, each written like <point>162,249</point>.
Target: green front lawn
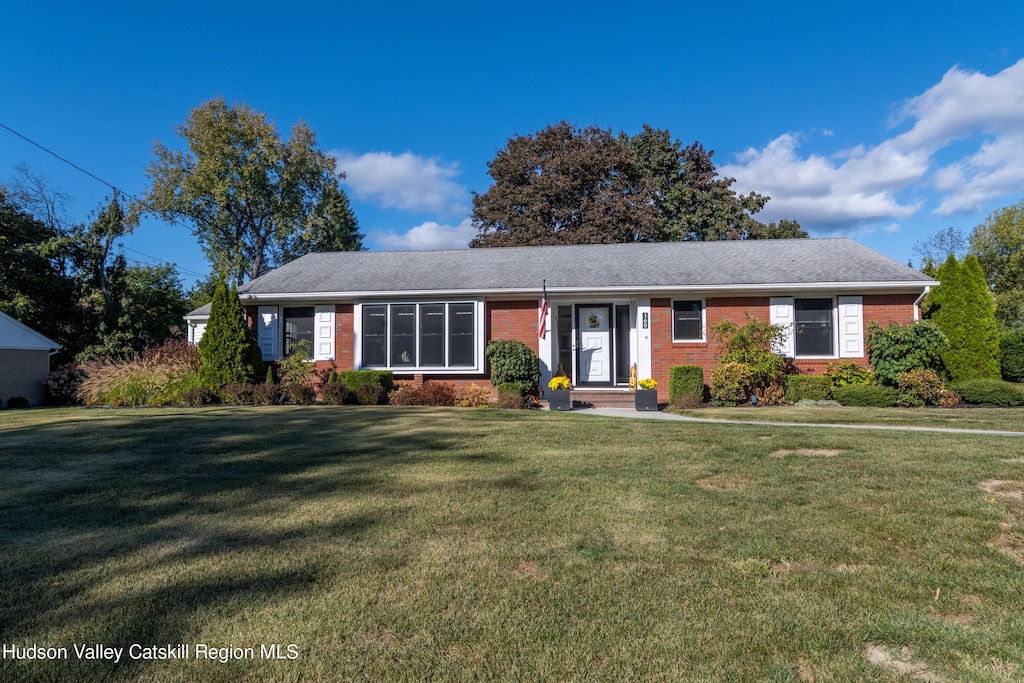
<point>997,419</point>
<point>454,544</point>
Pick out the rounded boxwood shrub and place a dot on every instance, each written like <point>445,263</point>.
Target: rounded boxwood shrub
<point>813,387</point>
<point>866,396</point>
<point>989,392</point>
<point>512,361</point>
<point>16,402</point>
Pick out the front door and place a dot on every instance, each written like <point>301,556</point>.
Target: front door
<point>594,363</point>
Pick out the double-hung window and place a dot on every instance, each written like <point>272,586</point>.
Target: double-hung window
<point>813,327</point>
<point>407,336</point>
<point>298,327</point>
<point>687,321</point>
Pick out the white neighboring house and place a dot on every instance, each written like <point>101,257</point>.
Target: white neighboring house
<point>24,361</point>
<point>196,323</point>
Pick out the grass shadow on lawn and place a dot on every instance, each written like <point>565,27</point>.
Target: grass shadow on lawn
<point>410,544</point>
<point>99,497</point>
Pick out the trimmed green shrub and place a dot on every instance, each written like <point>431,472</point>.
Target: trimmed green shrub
<point>229,352</point>
<point>300,394</point>
<point>896,348</point>
<point>730,383</point>
<point>356,380</point>
<point>685,385</point>
<point>335,393</point>
<point>963,308</point>
<point>989,392</point>
<point>843,373</point>
<point>1011,349</point>
<point>370,394</point>
<point>513,394</point>
<point>512,361</point>
<point>919,388</point>
<point>17,402</point>
<point>866,395</point>
<point>813,387</point>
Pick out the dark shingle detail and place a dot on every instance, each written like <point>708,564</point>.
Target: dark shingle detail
<point>756,263</point>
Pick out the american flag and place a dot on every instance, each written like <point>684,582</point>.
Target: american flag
<point>542,324</point>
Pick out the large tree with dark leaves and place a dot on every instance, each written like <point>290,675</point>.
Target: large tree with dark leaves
<point>563,185</point>
<point>693,202</point>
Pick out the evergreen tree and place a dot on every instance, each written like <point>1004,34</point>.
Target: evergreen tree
<point>228,351</point>
<point>964,310</point>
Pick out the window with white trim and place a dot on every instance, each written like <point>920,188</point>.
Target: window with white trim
<point>688,320</point>
<point>813,327</point>
<point>419,336</point>
<point>298,326</point>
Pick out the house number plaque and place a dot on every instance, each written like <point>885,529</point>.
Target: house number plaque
<point>646,321</point>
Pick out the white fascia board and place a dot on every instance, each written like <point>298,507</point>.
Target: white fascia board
<point>775,288</point>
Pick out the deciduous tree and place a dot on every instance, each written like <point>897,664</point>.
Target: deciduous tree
<point>563,185</point>
<point>254,200</point>
<point>693,202</point>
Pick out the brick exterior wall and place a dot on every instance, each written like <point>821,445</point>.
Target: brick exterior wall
<point>518,320</point>
<point>878,308</point>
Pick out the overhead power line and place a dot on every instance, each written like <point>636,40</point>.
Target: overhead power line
<point>110,185</point>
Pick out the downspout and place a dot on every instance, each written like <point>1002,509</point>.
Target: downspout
<point>917,303</point>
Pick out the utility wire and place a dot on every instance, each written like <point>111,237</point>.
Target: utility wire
<point>111,186</point>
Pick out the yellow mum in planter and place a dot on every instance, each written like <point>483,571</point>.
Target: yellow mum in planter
<point>647,384</point>
<point>559,384</point>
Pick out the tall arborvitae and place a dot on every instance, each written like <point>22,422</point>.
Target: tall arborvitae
<point>964,310</point>
<point>228,351</point>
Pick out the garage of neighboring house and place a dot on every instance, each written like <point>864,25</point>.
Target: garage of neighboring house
<point>24,361</point>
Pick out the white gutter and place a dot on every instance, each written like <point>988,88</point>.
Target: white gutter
<point>780,287</point>
<point>917,302</point>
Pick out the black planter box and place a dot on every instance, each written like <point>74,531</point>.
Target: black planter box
<point>559,400</point>
<point>646,399</point>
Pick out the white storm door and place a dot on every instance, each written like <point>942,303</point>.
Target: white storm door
<point>594,365</point>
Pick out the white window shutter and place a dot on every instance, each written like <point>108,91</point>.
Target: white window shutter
<point>323,333</point>
<point>851,327</point>
<point>266,332</point>
<point>781,312</point>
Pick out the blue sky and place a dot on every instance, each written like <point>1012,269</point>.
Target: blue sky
<point>880,121</point>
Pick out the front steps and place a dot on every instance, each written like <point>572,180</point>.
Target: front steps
<point>600,398</point>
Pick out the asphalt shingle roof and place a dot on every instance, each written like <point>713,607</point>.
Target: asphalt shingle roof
<point>756,263</point>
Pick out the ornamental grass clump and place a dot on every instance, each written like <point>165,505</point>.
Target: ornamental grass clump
<point>160,376</point>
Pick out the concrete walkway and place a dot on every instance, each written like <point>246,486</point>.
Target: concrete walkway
<point>659,415</point>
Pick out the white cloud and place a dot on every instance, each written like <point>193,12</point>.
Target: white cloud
<point>964,103</point>
<point>404,181</point>
<point>891,229</point>
<point>429,235</point>
<point>997,169</point>
<point>827,193</point>
<point>865,184</point>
